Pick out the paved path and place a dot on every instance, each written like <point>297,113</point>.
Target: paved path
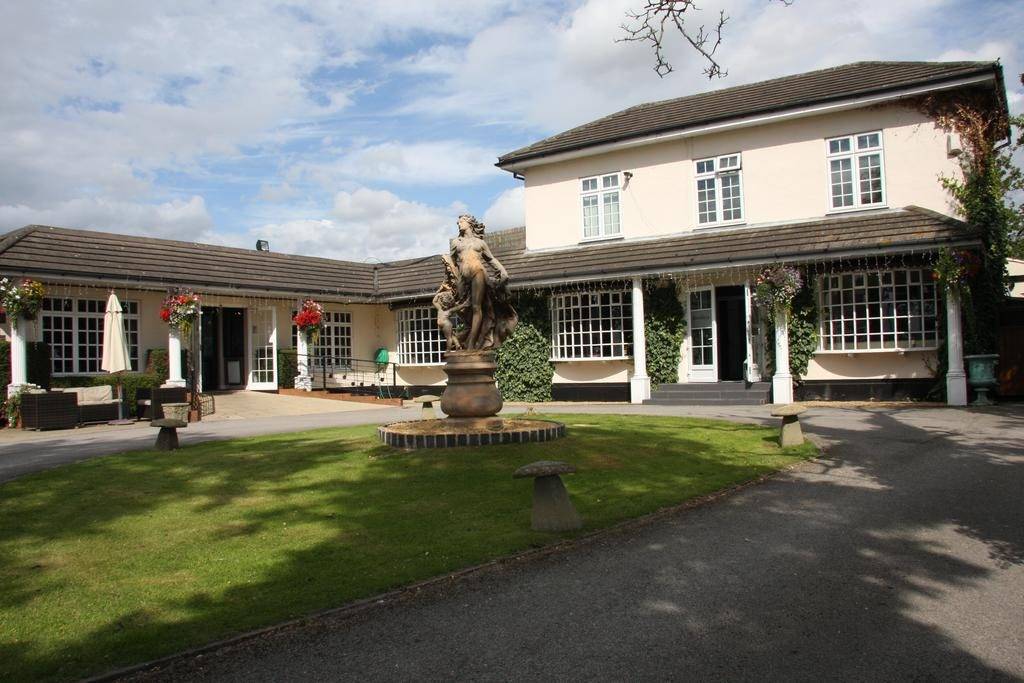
<point>898,555</point>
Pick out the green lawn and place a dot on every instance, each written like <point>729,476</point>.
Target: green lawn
<point>129,557</point>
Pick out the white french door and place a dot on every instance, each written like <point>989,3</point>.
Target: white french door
<point>262,349</point>
<point>701,328</point>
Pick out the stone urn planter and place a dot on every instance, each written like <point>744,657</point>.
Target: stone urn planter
<point>471,390</point>
<point>176,411</point>
<point>981,375</point>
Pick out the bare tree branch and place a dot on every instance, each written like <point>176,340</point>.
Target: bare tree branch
<point>648,24</point>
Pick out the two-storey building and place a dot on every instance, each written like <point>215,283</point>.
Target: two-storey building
<point>834,171</point>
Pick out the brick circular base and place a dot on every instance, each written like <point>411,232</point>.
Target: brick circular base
<point>409,434</point>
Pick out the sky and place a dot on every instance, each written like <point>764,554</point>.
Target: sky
<point>361,130</point>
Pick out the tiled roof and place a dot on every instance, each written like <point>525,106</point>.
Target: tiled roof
<point>825,239</point>
<point>123,259</point>
<point>816,87</point>
<point>87,256</point>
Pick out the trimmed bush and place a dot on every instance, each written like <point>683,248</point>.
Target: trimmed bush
<point>287,368</point>
<point>524,370</point>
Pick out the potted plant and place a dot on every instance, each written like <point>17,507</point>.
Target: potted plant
<point>776,286</point>
<point>21,300</point>
<point>181,310</point>
<point>309,320</point>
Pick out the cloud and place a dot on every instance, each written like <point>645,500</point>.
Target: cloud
<point>507,210</point>
<point>177,219</point>
<point>437,163</point>
<point>367,224</point>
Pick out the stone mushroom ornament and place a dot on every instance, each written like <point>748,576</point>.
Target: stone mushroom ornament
<point>552,509</point>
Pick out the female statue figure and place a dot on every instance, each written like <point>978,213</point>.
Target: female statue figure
<point>481,291</point>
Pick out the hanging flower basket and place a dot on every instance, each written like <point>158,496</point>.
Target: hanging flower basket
<point>776,286</point>
<point>309,319</point>
<point>22,300</point>
<point>955,267</point>
<point>181,311</point>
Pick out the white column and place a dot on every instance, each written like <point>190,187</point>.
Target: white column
<point>19,357</point>
<point>782,381</point>
<point>303,380</point>
<point>174,376</point>
<point>640,383</point>
<point>956,379</point>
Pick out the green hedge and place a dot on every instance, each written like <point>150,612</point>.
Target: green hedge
<point>524,371</point>
<point>287,368</point>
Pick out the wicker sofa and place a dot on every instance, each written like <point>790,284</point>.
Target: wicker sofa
<point>49,410</point>
<point>95,404</point>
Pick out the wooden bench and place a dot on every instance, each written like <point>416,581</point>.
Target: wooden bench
<point>167,439</point>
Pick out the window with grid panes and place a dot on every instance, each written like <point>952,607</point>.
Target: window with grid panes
<point>596,324</point>
<point>334,348</point>
<point>879,310</point>
<point>600,202</point>
<point>420,341</point>
<point>856,174</point>
<point>73,329</point>
<point>719,190</point>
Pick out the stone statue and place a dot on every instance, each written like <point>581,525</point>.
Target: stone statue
<point>475,315</point>
<point>475,289</point>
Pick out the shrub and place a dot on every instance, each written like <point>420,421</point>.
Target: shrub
<point>664,330</point>
<point>287,368</point>
<point>524,369</point>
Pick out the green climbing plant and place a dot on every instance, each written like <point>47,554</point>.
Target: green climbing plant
<point>664,329</point>
<point>524,371</point>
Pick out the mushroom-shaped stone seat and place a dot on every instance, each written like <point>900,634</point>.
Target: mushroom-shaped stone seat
<point>167,438</point>
<point>791,433</point>
<point>552,509</point>
<point>429,403</point>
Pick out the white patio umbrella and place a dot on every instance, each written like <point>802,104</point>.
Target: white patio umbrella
<point>115,347</point>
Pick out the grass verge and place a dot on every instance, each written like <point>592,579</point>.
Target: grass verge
<point>126,558</point>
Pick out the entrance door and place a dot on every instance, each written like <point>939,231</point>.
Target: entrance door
<point>702,335</point>
<point>731,332</point>
<point>262,349</point>
<point>209,358</point>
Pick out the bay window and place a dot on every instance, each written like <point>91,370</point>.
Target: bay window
<point>600,202</point>
<point>420,341</point>
<point>592,325</point>
<point>856,173</point>
<point>879,310</point>
<point>719,190</point>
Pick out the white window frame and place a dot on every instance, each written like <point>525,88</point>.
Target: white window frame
<point>78,328</point>
<point>420,342</point>
<point>715,169</point>
<point>573,325</point>
<point>854,154</point>
<point>336,335</point>
<point>598,191</point>
<point>895,304</point>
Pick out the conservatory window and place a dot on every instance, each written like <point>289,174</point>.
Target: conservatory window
<point>420,341</point>
<point>856,173</point>
<point>73,329</point>
<point>334,348</point>
<point>879,310</point>
<point>719,190</point>
<point>597,324</point>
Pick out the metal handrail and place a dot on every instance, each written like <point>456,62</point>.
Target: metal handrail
<point>356,371</point>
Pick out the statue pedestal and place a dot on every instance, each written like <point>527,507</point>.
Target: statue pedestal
<point>471,390</point>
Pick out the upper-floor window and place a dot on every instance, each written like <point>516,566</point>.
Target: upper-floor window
<point>856,173</point>
<point>73,329</point>
<point>420,341</point>
<point>600,201</point>
<point>719,190</point>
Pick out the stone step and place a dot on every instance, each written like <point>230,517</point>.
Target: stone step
<point>702,401</point>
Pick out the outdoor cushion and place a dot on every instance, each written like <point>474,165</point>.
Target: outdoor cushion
<point>100,394</point>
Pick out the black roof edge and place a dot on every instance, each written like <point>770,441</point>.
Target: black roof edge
<point>995,67</point>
